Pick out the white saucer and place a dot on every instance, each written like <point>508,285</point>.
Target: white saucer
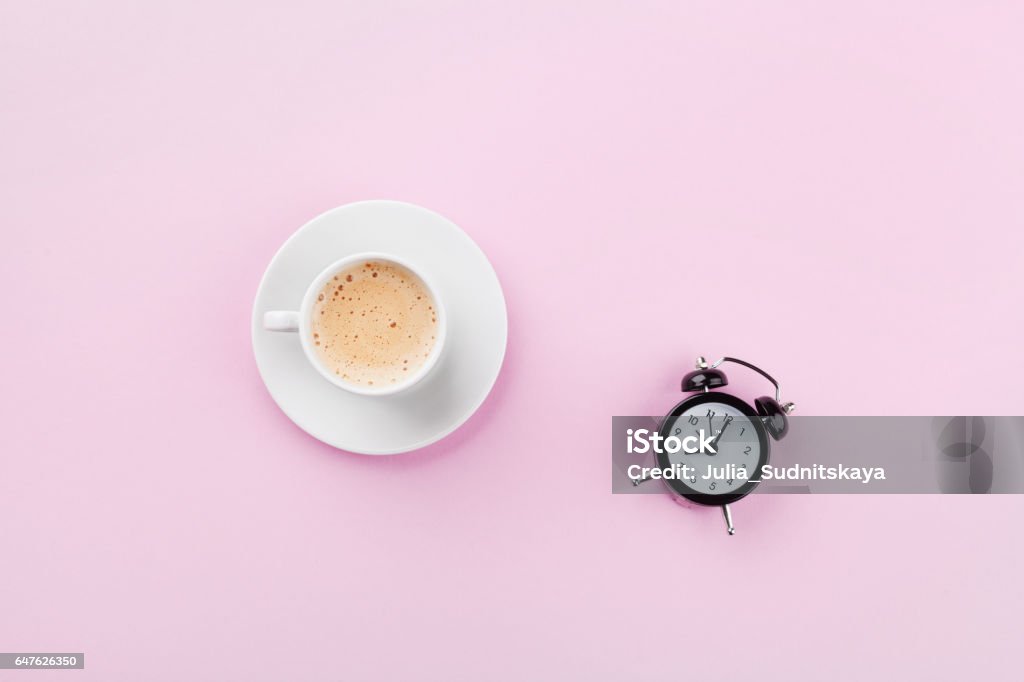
<point>474,349</point>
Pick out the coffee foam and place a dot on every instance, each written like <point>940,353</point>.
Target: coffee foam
<point>374,324</point>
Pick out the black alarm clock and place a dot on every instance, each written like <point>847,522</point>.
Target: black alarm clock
<point>735,438</point>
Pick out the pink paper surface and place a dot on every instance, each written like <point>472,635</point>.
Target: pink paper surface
<point>831,192</point>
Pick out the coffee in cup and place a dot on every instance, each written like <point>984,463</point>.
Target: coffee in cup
<point>371,324</point>
<point>374,323</point>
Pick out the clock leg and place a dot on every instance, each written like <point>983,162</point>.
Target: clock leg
<point>728,519</point>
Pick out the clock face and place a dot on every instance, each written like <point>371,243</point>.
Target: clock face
<point>729,427</point>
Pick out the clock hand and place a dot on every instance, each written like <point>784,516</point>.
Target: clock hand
<point>718,436</point>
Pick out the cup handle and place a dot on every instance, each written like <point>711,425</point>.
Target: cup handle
<point>281,321</point>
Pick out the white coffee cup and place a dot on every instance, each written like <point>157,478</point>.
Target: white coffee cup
<point>301,321</point>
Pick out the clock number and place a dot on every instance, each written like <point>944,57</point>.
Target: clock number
<point>677,431</point>
<point>693,420</point>
<point>693,479</point>
<point>712,485</point>
<point>728,481</point>
<point>742,430</point>
<point>746,450</point>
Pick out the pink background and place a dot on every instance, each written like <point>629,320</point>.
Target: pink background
<point>852,175</point>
